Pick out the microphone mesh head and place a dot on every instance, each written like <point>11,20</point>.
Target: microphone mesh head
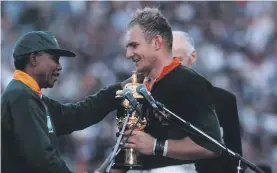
<point>140,87</point>
<point>126,90</point>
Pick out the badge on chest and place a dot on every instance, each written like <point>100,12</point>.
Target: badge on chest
<point>49,124</point>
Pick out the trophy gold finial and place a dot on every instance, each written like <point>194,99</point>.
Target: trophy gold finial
<point>134,78</point>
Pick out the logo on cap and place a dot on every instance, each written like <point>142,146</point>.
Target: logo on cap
<point>55,40</point>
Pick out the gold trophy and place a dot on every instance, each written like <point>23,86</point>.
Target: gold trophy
<point>128,157</point>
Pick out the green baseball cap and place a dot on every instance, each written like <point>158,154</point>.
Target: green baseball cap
<point>39,41</point>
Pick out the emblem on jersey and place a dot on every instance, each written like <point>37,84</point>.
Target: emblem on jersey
<point>49,125</point>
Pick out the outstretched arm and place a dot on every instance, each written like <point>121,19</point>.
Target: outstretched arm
<point>71,117</point>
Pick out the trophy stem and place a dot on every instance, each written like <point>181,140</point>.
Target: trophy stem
<point>134,78</point>
<point>131,156</point>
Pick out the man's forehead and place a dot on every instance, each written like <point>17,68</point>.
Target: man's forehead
<point>133,33</point>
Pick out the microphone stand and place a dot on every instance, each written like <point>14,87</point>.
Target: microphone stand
<point>117,145</point>
<point>252,166</point>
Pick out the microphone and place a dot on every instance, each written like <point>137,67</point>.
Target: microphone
<point>127,94</point>
<point>141,89</point>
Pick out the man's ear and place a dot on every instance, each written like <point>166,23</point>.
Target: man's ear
<point>33,60</point>
<point>193,58</point>
<point>158,42</point>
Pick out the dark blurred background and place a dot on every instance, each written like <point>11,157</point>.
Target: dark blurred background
<point>236,44</point>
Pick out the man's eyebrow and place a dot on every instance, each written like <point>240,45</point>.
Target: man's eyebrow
<point>132,44</point>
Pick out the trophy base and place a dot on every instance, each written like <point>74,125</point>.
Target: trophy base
<point>127,159</point>
<point>127,166</point>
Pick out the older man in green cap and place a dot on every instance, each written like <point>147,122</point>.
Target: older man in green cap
<point>31,122</point>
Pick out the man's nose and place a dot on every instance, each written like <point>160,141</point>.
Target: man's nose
<point>59,68</point>
<point>129,53</point>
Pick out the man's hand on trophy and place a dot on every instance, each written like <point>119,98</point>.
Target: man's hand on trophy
<point>158,115</point>
<point>140,141</point>
<point>161,117</point>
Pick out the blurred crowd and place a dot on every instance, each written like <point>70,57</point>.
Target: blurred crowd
<point>236,44</point>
